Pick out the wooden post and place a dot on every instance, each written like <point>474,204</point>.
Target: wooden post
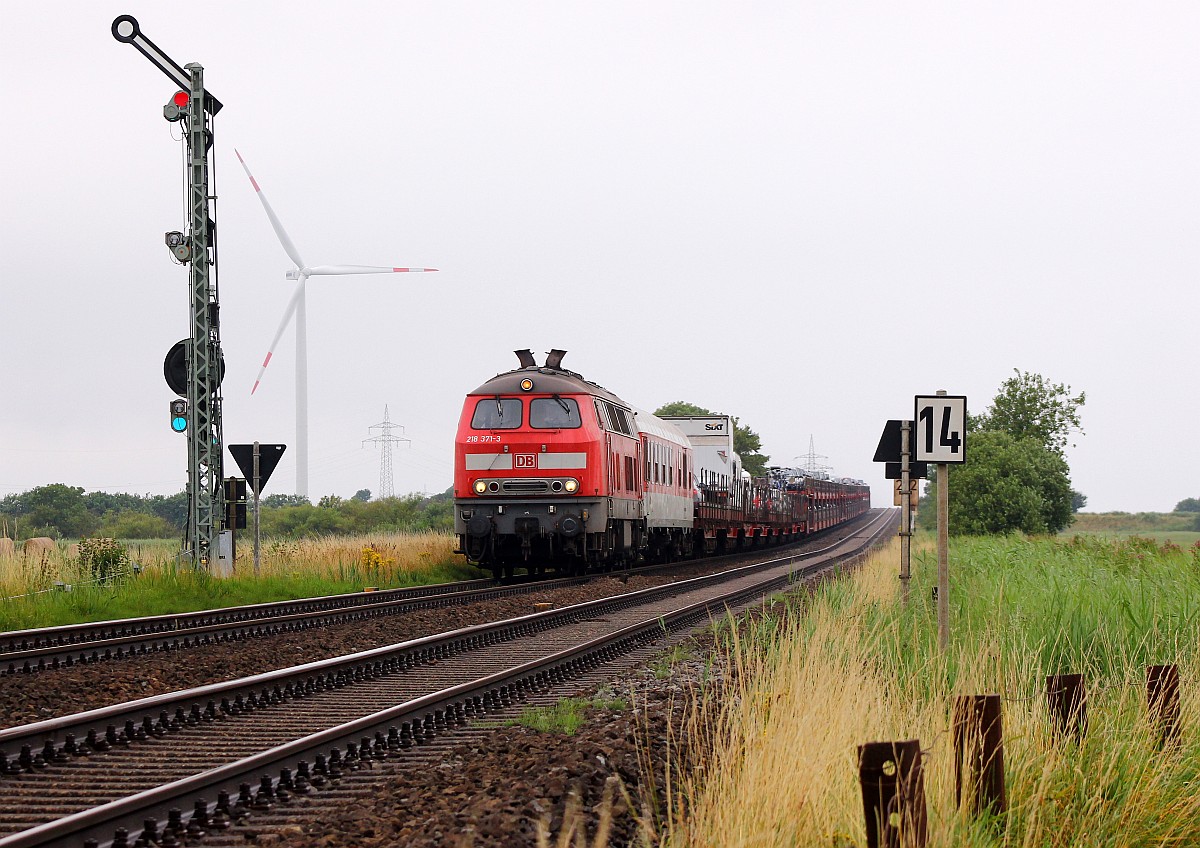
<point>979,753</point>
<point>906,509</point>
<point>893,792</point>
<point>1066,699</point>
<point>1162,700</point>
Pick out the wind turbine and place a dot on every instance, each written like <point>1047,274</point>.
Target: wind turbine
<point>295,307</point>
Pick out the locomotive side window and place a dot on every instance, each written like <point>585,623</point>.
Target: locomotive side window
<point>602,414</point>
<point>554,414</point>
<point>497,414</point>
<point>621,421</point>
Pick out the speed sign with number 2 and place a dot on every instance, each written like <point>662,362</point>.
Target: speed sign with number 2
<point>941,428</point>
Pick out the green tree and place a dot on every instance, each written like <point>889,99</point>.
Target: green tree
<point>57,506</point>
<point>363,495</point>
<point>285,500</point>
<point>136,525</point>
<point>682,407</point>
<point>746,442</point>
<point>171,508</point>
<point>1008,485</point>
<point>1029,406</point>
<point>1188,505</point>
<point>1078,501</point>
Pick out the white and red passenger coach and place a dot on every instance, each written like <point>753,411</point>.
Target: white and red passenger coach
<point>552,471</point>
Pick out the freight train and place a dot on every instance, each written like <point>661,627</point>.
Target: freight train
<point>553,472</point>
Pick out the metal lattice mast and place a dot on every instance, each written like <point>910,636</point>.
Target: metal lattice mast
<point>206,497</point>
<point>204,352</point>
<point>385,440</point>
<point>811,465</point>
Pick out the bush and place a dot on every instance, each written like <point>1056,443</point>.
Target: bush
<point>137,525</point>
<point>102,558</point>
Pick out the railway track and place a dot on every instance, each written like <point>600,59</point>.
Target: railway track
<point>49,648</point>
<point>246,742</point>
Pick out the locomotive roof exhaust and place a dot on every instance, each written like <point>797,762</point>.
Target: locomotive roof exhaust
<point>553,360</point>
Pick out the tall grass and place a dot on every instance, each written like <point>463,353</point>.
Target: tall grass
<point>161,584</point>
<point>809,685</point>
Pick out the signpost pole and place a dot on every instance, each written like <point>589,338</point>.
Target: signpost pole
<point>943,551</point>
<point>906,509</point>
<point>257,536</point>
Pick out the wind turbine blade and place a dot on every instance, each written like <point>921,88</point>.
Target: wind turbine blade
<point>288,247</point>
<point>287,317</point>
<point>363,269</point>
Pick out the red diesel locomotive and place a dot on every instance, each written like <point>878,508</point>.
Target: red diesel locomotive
<point>552,470</point>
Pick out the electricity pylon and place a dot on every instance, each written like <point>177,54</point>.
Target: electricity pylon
<point>385,440</point>
<point>811,466</point>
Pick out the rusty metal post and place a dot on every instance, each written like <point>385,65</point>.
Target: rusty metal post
<point>1162,700</point>
<point>979,753</point>
<point>893,791</point>
<point>1066,699</point>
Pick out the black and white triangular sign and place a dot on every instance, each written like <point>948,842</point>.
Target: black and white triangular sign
<point>268,458</point>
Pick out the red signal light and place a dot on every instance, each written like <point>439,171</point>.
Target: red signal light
<point>181,99</point>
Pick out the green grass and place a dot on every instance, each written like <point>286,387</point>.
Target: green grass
<point>1133,522</point>
<point>1184,538</point>
<point>665,663</point>
<point>171,589</point>
<point>1103,607</point>
<point>566,715</point>
<point>859,665</point>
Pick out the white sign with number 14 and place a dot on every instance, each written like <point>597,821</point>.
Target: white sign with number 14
<point>941,428</point>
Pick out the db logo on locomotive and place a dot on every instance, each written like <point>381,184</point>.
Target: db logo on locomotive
<point>524,460</point>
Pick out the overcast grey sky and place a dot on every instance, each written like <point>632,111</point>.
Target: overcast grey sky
<point>800,213</point>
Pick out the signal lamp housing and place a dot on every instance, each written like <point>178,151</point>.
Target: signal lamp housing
<point>179,416</point>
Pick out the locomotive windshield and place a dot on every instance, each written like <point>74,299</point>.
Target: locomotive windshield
<point>554,413</point>
<point>497,414</point>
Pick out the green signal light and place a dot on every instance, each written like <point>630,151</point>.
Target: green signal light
<point>179,416</point>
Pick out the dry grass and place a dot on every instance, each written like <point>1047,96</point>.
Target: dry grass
<point>808,687</point>
<point>393,557</point>
<point>388,557</point>
<point>161,584</point>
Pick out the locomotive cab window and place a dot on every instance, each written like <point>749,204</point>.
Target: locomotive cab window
<point>497,414</point>
<point>554,413</point>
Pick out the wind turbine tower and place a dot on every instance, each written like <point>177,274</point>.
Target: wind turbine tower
<point>296,308</point>
<point>385,440</point>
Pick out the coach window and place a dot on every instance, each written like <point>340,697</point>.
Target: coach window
<point>497,414</point>
<point>554,413</point>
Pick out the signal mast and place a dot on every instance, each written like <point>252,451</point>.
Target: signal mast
<point>200,380</point>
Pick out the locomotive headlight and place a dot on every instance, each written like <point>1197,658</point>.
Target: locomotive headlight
<point>571,485</point>
<point>480,487</point>
<point>526,384</point>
